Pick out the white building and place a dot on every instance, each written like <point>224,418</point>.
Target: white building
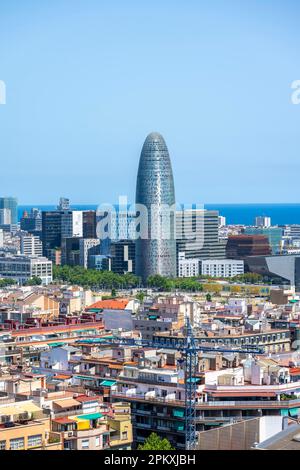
<point>222,221</point>
<point>222,267</point>
<point>5,216</point>
<point>262,221</point>
<point>1,238</point>
<point>87,247</point>
<point>31,245</point>
<point>21,268</point>
<point>58,358</point>
<point>72,224</point>
<point>187,267</point>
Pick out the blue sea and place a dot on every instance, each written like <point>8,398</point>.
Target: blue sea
<point>243,214</point>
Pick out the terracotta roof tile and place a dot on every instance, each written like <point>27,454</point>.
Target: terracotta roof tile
<point>117,304</point>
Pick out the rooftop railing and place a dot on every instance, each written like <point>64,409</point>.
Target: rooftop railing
<point>213,404</point>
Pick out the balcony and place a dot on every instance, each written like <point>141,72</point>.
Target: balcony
<point>245,404</point>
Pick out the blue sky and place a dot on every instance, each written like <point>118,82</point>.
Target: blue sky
<point>87,80</point>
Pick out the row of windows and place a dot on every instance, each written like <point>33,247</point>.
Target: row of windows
<point>19,442</point>
<point>240,340</point>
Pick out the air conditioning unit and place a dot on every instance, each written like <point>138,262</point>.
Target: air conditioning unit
<point>5,419</point>
<point>70,434</point>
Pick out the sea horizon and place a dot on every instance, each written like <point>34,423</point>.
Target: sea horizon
<point>235,213</point>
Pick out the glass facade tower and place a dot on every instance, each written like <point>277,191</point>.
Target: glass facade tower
<point>155,206</point>
<point>10,203</point>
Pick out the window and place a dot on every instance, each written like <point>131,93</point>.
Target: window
<point>35,441</point>
<point>85,443</point>
<point>2,445</point>
<point>124,435</point>
<point>17,443</point>
<point>97,441</point>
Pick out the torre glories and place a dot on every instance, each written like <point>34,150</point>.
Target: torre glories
<point>155,211</point>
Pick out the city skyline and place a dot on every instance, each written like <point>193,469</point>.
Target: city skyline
<point>149,229</point>
<point>220,75</point>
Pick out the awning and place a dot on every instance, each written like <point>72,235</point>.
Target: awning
<point>84,378</point>
<point>294,411</point>
<point>178,413</point>
<point>108,383</point>
<point>67,403</point>
<point>193,380</point>
<point>90,416</point>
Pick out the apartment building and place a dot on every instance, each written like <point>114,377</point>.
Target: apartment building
<point>24,426</point>
<point>222,268</point>
<point>110,429</point>
<point>31,245</point>
<point>275,340</point>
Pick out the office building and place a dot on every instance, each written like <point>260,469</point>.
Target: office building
<point>222,268</point>
<point>241,246</point>
<point>89,224</point>
<point>187,267</point>
<point>274,235</point>
<point>262,221</point>
<point>51,231</point>
<point>122,224</point>
<point>71,224</point>
<point>99,262</point>
<point>21,268</point>
<point>87,248</point>
<point>155,200</point>
<point>70,251</point>
<point>57,225</point>
<point>10,203</point>
<point>31,245</point>
<point>32,223</point>
<point>197,234</point>
<point>64,204</point>
<point>284,269</point>
<point>122,255</point>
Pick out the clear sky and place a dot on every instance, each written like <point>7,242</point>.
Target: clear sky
<point>87,80</point>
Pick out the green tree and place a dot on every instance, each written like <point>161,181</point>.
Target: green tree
<point>248,278</point>
<point>113,293</point>
<point>33,281</point>
<point>208,297</point>
<point>94,279</point>
<point>140,296</point>
<point>154,442</point>
<point>160,282</point>
<point>7,282</point>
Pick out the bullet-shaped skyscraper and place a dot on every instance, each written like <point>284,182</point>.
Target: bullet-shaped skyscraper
<point>155,205</point>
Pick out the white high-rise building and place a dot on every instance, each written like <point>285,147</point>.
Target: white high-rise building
<point>222,221</point>
<point>1,239</point>
<point>71,224</point>
<point>262,221</point>
<point>5,216</point>
<point>31,245</point>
